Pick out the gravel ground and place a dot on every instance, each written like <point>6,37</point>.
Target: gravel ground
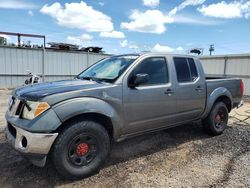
<point>178,157</point>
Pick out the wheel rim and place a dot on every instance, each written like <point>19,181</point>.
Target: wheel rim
<point>82,150</point>
<point>220,118</point>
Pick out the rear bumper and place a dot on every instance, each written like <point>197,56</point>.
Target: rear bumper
<point>35,146</point>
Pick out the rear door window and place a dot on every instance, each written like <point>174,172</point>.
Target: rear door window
<point>182,69</point>
<point>193,70</point>
<point>186,70</point>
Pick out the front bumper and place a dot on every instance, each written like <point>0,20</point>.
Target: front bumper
<point>35,146</point>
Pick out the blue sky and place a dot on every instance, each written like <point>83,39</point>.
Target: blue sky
<point>134,25</point>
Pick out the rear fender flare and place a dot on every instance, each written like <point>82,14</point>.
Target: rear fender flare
<point>218,92</point>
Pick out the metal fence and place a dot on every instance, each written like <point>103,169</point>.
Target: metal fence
<point>230,65</point>
<point>54,65</point>
<point>57,65</point>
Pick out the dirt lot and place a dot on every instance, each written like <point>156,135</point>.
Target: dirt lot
<point>179,157</point>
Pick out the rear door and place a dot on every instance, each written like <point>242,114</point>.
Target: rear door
<point>190,89</point>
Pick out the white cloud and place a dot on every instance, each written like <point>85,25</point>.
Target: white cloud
<point>113,34</point>
<point>186,19</point>
<point>101,4</point>
<point>5,36</point>
<point>16,4</point>
<point>151,3</point>
<point>235,9</point>
<point>79,40</point>
<point>124,43</point>
<point>185,4</point>
<point>154,21</point>
<point>30,12</point>
<point>151,21</point>
<point>160,48</point>
<point>80,16</point>
<point>179,48</point>
<point>133,46</point>
<point>130,45</point>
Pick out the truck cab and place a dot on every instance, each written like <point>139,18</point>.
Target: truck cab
<point>174,92</point>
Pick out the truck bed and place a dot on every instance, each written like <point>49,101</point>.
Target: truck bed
<point>231,84</point>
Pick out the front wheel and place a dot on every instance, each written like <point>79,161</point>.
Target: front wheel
<point>80,150</point>
<point>216,122</point>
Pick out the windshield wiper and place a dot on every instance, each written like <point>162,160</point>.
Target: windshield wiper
<point>91,78</point>
<point>85,78</point>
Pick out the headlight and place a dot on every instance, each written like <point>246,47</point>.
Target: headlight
<point>36,108</point>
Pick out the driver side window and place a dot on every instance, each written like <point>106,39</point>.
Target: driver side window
<point>155,68</point>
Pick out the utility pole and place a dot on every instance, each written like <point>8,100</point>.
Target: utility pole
<point>211,49</point>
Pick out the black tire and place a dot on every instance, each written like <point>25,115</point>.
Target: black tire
<point>216,122</point>
<point>80,150</point>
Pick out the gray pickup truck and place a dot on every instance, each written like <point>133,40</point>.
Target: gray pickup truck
<point>74,121</point>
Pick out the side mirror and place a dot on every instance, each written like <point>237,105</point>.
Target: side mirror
<point>137,80</point>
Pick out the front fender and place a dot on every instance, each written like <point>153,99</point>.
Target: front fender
<point>77,106</point>
<point>218,92</point>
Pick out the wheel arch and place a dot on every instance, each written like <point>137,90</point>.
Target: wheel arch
<point>220,94</point>
<point>104,120</point>
<point>226,100</point>
<point>90,108</point>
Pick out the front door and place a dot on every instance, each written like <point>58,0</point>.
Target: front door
<point>150,105</point>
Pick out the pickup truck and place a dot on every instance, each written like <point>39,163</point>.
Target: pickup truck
<point>74,121</point>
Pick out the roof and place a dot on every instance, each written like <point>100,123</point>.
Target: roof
<point>158,53</point>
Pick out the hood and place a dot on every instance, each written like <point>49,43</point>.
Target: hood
<point>37,91</point>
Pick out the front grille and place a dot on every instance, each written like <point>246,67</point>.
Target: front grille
<point>12,130</point>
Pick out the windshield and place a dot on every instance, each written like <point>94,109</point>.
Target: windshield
<point>108,69</point>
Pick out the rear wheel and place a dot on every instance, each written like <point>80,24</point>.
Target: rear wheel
<point>81,149</point>
<point>216,122</point>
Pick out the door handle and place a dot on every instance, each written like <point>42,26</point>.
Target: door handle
<point>198,88</point>
<point>169,92</point>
